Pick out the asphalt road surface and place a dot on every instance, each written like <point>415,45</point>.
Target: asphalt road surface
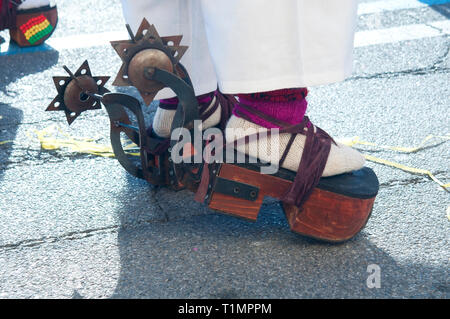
<point>78,226</point>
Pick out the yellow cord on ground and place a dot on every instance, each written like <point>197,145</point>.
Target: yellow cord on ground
<point>78,145</point>
<point>48,141</point>
<point>407,169</point>
<point>357,141</point>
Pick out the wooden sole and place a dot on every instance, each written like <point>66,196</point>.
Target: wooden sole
<point>325,215</point>
<point>329,216</point>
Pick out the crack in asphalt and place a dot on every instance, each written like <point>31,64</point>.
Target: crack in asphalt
<point>441,59</point>
<point>37,160</point>
<point>76,235</point>
<point>420,71</point>
<point>434,68</point>
<point>115,228</point>
<point>154,196</point>
<point>427,23</point>
<point>403,182</point>
<point>53,239</point>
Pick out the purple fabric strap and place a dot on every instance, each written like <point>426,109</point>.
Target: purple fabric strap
<point>171,104</point>
<point>314,158</point>
<point>226,102</point>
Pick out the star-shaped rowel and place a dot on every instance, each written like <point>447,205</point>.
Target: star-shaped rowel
<point>146,49</point>
<point>78,92</point>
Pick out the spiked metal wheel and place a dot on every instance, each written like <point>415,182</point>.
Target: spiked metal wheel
<point>150,63</point>
<point>147,50</point>
<point>77,92</point>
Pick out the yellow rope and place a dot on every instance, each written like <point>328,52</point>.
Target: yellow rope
<point>49,141</point>
<point>357,141</point>
<point>77,145</point>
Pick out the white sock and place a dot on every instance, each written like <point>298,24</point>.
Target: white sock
<point>341,159</point>
<point>162,122</point>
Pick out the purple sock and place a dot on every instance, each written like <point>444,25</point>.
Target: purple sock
<point>287,105</point>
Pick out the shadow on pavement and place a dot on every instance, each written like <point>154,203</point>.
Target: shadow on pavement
<point>216,256</point>
<point>443,9</point>
<point>9,122</point>
<point>13,68</point>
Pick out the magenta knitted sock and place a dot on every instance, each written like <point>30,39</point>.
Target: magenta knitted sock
<point>287,105</point>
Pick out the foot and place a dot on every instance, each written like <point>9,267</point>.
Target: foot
<point>289,109</point>
<point>341,159</point>
<point>30,22</point>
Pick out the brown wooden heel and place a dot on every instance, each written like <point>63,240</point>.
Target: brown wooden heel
<point>268,185</point>
<point>329,216</point>
<point>236,207</point>
<point>337,209</point>
<point>229,204</point>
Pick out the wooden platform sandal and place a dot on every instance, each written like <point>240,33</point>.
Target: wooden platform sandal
<point>332,209</point>
<point>327,208</point>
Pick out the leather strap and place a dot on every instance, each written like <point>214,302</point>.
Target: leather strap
<point>227,103</point>
<point>314,157</point>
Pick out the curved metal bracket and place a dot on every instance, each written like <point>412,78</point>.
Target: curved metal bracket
<point>187,110</point>
<point>152,165</point>
<point>185,115</point>
<point>114,106</point>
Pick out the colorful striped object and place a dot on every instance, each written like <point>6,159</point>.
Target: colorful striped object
<point>36,28</point>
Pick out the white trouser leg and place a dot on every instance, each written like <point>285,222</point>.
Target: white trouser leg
<point>256,45</point>
<point>264,45</point>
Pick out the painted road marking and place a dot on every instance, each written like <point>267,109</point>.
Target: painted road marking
<point>403,33</point>
<point>362,38</point>
<point>66,43</point>
<point>393,5</point>
<point>86,40</point>
<point>444,26</point>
